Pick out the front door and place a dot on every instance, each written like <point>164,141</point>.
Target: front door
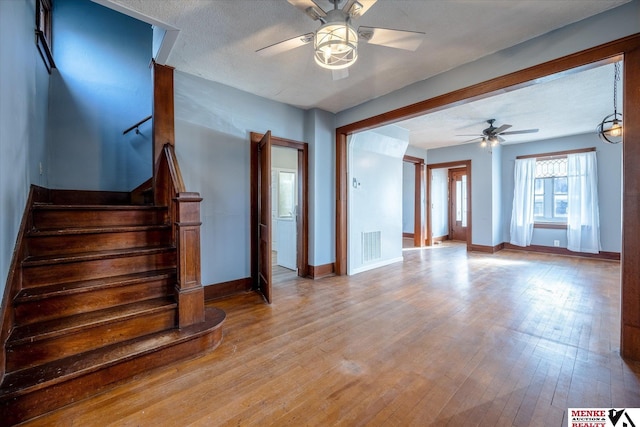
<point>264,216</point>
<point>458,204</point>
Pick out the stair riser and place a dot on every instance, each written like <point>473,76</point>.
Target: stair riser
<point>44,219</point>
<point>26,406</point>
<point>42,275</point>
<point>89,338</point>
<point>67,305</point>
<point>79,243</point>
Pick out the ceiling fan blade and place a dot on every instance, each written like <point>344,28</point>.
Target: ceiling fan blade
<point>357,8</point>
<point>340,74</point>
<point>470,140</point>
<point>501,129</point>
<point>501,139</point>
<point>285,45</point>
<point>309,7</point>
<point>400,39</point>
<point>516,132</point>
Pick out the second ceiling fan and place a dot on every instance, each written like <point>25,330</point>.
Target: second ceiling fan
<point>336,40</point>
<point>493,135</point>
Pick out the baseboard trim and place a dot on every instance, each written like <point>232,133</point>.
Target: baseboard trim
<point>440,238</point>
<point>320,271</point>
<point>486,249</point>
<point>611,256</point>
<point>408,235</point>
<point>225,289</point>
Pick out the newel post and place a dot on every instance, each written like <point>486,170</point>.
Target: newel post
<point>189,290</point>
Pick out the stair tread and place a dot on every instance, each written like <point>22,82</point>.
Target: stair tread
<point>88,256</point>
<point>58,289</point>
<point>95,230</point>
<point>54,207</point>
<point>57,327</point>
<point>30,379</point>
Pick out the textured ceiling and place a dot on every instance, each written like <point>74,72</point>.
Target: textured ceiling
<point>218,38</point>
<point>571,104</point>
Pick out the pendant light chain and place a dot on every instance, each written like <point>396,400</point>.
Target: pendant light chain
<point>616,79</point>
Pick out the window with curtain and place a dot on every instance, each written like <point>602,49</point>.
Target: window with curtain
<point>550,190</point>
<point>557,188</point>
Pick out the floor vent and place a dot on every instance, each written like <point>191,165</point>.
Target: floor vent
<point>371,246</point>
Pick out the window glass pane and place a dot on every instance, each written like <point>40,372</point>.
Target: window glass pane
<point>560,206</point>
<point>464,200</point>
<point>538,186</point>
<point>560,185</point>
<point>286,194</point>
<point>551,167</point>
<point>458,200</point>
<point>538,206</point>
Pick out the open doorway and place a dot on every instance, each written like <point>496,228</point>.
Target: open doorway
<point>284,213</point>
<point>413,202</point>
<point>449,201</point>
<point>289,208</point>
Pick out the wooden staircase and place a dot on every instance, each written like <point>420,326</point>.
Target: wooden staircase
<point>96,302</point>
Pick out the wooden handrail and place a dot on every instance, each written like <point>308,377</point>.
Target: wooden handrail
<point>174,168</point>
<point>126,131</point>
<point>184,217</point>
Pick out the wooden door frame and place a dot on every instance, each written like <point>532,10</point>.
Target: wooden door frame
<point>302,230</point>
<point>627,48</point>
<point>419,232</point>
<point>450,172</point>
<point>448,165</point>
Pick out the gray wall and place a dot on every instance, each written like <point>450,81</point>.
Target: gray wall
<point>102,86</point>
<point>23,116</point>
<point>320,134</point>
<point>609,187</point>
<point>213,125</point>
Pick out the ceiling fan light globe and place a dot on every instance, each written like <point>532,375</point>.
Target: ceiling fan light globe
<point>336,45</point>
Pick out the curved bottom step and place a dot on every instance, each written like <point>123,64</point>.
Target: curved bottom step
<point>35,391</point>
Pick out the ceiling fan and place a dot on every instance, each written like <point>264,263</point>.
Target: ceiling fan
<point>336,40</point>
<point>493,135</point>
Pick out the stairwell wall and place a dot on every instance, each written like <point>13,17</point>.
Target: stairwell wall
<point>23,115</point>
<point>102,86</point>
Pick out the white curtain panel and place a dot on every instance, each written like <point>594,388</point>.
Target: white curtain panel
<point>522,213</point>
<point>583,222</point>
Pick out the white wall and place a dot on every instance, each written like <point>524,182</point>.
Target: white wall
<point>375,195</point>
<point>609,187</point>
<point>23,115</point>
<point>213,125</point>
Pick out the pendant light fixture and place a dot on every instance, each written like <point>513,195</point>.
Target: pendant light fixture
<point>610,129</point>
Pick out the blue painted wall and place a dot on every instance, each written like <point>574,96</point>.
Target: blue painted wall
<point>213,126</point>
<point>23,115</point>
<point>102,86</point>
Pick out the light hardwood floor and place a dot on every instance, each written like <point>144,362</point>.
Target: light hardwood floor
<point>445,338</point>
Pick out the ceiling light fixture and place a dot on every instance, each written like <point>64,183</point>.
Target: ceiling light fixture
<point>610,129</point>
<point>336,43</point>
